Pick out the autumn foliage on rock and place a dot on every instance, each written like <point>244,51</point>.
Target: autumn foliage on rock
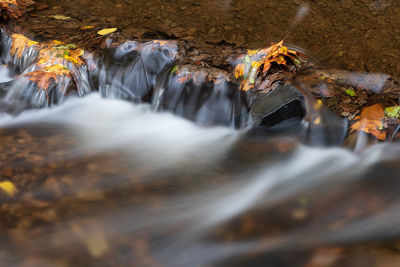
<point>256,64</point>
<point>55,59</point>
<point>377,121</point>
<point>371,121</point>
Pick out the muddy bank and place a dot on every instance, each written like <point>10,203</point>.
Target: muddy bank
<point>351,35</point>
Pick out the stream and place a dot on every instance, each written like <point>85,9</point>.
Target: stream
<point>106,183</point>
<point>137,168</point>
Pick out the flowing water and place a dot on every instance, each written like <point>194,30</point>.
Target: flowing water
<point>135,169</point>
<point>104,182</point>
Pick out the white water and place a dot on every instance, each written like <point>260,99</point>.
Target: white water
<point>4,74</point>
<point>208,180</point>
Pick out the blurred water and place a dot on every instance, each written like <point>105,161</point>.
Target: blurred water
<point>108,183</point>
<point>100,181</point>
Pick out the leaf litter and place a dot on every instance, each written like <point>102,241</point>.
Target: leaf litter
<point>55,59</point>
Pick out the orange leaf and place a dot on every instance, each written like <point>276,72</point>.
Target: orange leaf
<point>19,43</point>
<point>43,76</point>
<point>239,70</point>
<point>245,86</point>
<point>267,65</point>
<point>371,121</point>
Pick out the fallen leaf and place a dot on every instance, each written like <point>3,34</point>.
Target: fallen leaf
<point>87,27</point>
<point>371,121</point>
<point>43,77</point>
<point>8,187</point>
<point>106,31</point>
<point>350,92</point>
<point>392,112</point>
<point>54,59</point>
<point>239,71</point>
<point>19,43</point>
<point>256,60</point>
<point>59,17</point>
<point>175,68</point>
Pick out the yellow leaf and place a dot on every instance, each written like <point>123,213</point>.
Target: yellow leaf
<point>281,60</point>
<point>66,57</point>
<point>58,70</point>
<point>32,43</point>
<point>318,104</point>
<point>8,187</point>
<point>55,42</point>
<point>252,52</point>
<point>74,56</point>
<point>256,64</point>
<point>59,17</point>
<point>283,50</point>
<point>106,31</point>
<point>87,27</point>
<point>239,70</point>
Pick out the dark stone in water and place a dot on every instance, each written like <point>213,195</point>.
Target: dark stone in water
<point>284,111</point>
<point>283,103</point>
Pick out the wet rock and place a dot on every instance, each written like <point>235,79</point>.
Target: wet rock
<point>130,71</point>
<point>287,110</point>
<point>205,96</point>
<point>284,102</point>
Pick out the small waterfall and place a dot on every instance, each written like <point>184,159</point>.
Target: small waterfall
<point>23,93</point>
<point>16,64</point>
<point>204,97</point>
<point>131,70</point>
<point>156,72</point>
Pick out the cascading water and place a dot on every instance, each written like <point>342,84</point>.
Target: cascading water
<point>23,93</point>
<point>117,184</point>
<point>104,182</point>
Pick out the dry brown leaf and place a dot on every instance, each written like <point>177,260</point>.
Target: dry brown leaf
<point>371,121</point>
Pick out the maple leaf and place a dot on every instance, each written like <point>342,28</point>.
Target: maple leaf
<point>371,121</point>
<point>239,71</point>
<point>43,76</point>
<point>74,56</point>
<point>19,43</point>
<point>246,86</point>
<point>52,60</point>
<point>256,60</point>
